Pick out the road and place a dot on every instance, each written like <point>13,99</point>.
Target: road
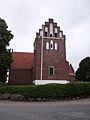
<point>63,110</point>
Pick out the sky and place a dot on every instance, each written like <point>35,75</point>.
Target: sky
<point>25,17</point>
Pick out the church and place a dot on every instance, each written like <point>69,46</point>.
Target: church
<point>47,64</point>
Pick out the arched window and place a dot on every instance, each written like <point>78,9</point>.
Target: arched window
<point>60,34</point>
<point>47,45</point>
<point>51,70</point>
<point>56,31</point>
<point>46,31</point>
<point>55,46</point>
<point>51,29</point>
<point>51,45</point>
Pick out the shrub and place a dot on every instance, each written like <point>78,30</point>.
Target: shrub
<point>49,91</point>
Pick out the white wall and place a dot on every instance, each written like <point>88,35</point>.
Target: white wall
<point>43,82</point>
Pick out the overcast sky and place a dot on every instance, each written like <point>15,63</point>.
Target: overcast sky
<point>25,17</point>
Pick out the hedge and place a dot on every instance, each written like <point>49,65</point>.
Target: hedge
<point>49,91</point>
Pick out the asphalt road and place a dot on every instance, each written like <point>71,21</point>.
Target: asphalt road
<point>63,110</point>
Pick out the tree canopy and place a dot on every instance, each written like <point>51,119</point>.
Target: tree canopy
<point>5,54</point>
<point>83,72</point>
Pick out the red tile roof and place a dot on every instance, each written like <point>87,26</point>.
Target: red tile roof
<point>22,60</point>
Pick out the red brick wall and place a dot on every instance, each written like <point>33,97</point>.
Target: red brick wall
<point>55,58</point>
<point>71,74</point>
<point>20,76</point>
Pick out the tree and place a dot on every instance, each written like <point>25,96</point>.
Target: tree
<point>83,72</point>
<point>5,54</point>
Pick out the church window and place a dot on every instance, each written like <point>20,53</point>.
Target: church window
<point>51,29</point>
<point>46,31</point>
<point>55,46</point>
<point>51,44</point>
<point>46,34</point>
<point>55,34</point>
<point>56,30</point>
<point>47,45</point>
<point>50,35</point>
<point>60,34</point>
<point>51,70</point>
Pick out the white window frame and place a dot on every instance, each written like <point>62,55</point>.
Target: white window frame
<point>55,46</point>
<point>46,29</point>
<point>56,30</point>
<point>60,34</point>
<point>47,45</point>
<point>51,45</point>
<point>53,72</point>
<point>51,29</point>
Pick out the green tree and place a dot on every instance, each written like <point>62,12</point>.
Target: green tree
<point>83,72</point>
<point>5,54</point>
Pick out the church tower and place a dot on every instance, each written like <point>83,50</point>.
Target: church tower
<point>49,60</point>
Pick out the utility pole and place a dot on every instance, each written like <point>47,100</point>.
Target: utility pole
<point>42,54</point>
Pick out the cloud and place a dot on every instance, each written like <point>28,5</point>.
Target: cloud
<point>25,18</point>
<point>79,42</point>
